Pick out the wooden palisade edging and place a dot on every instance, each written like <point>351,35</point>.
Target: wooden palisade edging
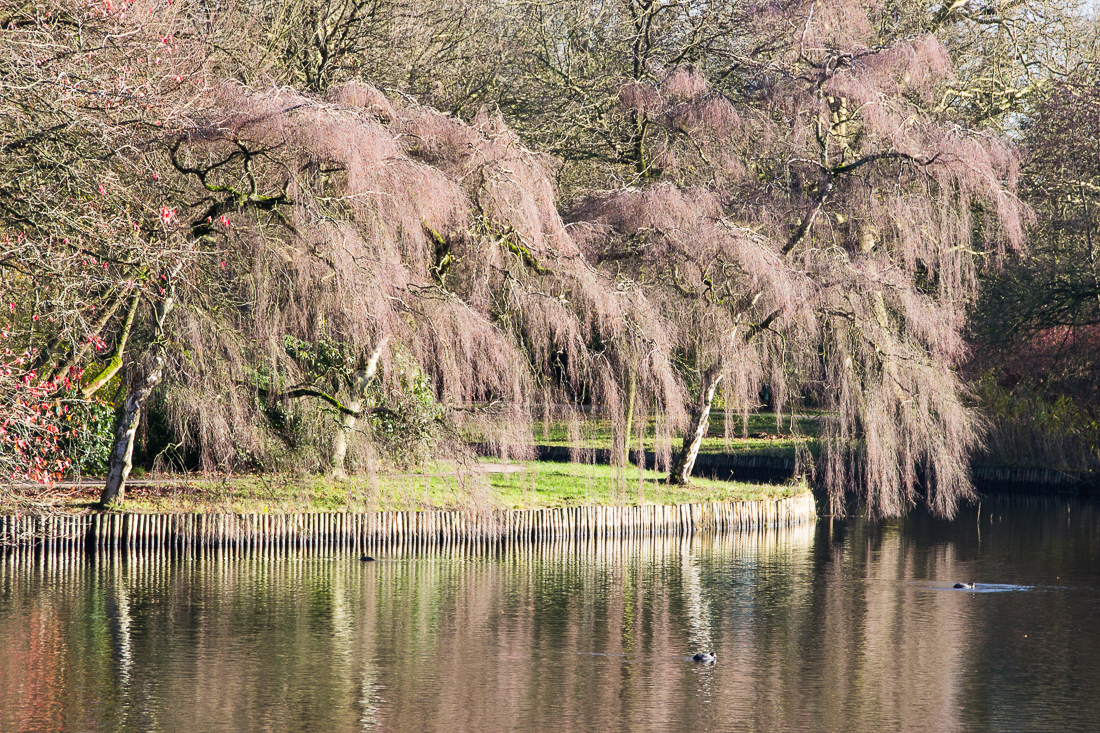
<point>114,531</point>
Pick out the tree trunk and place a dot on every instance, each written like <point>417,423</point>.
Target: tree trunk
<point>629,416</point>
<point>348,420</point>
<point>340,444</point>
<point>700,421</point>
<point>120,465</point>
<point>118,470</point>
<point>122,454</point>
<point>115,363</point>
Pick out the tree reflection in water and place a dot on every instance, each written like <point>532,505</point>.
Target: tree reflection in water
<point>846,626</point>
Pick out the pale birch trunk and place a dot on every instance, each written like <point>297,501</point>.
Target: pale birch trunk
<point>700,421</point>
<point>700,416</point>
<point>354,411</point>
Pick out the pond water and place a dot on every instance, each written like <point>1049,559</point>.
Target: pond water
<point>842,626</point>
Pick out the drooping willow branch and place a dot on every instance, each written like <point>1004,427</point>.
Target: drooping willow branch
<point>838,171</point>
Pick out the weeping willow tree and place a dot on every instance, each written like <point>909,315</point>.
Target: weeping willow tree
<point>768,195</point>
<point>815,227</point>
<point>348,234</point>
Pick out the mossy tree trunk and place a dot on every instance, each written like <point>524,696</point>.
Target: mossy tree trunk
<point>118,469</point>
<point>113,366</point>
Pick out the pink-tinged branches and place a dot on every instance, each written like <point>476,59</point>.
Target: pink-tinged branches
<point>758,194</point>
<point>835,200</point>
<point>440,235</point>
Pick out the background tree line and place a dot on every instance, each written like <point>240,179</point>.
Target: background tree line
<point>277,233</point>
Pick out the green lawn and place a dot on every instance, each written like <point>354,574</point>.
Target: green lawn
<point>549,484</point>
<point>760,435</point>
<point>485,484</point>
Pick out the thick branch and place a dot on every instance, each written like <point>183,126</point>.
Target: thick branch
<point>115,362</point>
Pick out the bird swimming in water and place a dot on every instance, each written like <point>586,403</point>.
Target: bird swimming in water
<point>366,558</point>
<point>705,657</point>
<point>964,585</point>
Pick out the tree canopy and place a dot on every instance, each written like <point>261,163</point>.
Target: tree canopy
<point>297,227</point>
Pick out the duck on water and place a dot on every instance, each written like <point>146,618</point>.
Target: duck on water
<point>964,585</point>
<point>705,657</point>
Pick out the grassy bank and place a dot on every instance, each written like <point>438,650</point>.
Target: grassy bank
<point>482,485</point>
<point>759,435</point>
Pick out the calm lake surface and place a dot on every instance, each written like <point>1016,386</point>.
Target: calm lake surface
<point>837,627</point>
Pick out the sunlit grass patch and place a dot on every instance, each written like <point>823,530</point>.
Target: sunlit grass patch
<point>549,484</point>
<point>761,434</point>
<point>482,485</point>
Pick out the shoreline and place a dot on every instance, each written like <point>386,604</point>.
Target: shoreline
<point>116,531</point>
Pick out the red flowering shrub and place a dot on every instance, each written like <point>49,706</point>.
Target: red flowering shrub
<point>32,423</point>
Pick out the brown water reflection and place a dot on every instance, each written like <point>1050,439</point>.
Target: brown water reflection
<point>840,627</point>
